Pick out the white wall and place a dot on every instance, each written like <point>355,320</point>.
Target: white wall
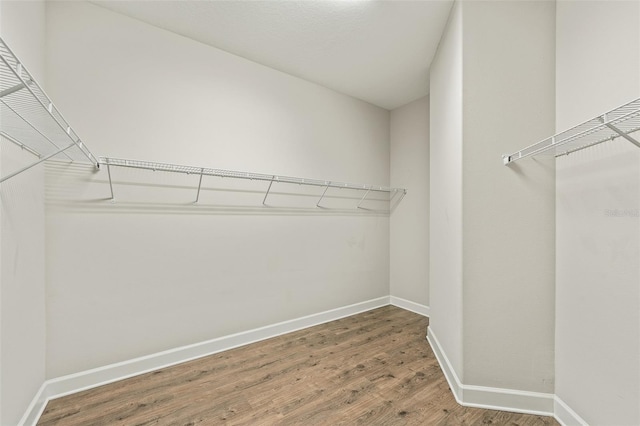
<point>598,250</point>
<point>22,282</point>
<point>508,212</point>
<point>445,188</point>
<point>409,252</point>
<point>492,227</point>
<point>142,274</point>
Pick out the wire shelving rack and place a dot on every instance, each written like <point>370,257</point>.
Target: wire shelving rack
<point>109,162</point>
<point>29,119</point>
<point>617,123</point>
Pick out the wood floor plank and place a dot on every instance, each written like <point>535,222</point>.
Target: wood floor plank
<point>374,368</point>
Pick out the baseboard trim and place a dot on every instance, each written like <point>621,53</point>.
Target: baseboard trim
<point>488,397</point>
<point>409,305</point>
<point>467,395</point>
<point>445,365</point>
<point>35,409</point>
<point>66,385</point>
<point>565,415</point>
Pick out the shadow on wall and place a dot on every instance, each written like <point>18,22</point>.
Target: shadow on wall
<point>73,187</point>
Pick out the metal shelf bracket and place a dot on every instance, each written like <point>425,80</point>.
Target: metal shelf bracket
<point>618,131</point>
<point>264,200</point>
<point>199,185</point>
<point>326,188</point>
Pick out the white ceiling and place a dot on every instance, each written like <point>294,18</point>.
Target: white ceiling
<point>377,51</point>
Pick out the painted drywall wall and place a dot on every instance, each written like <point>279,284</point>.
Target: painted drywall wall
<point>445,189</point>
<point>151,270</point>
<point>598,225</point>
<point>409,235</point>
<point>22,276</point>
<point>508,212</point>
<point>492,227</point>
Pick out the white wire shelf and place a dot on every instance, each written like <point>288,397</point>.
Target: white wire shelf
<point>619,122</point>
<point>205,171</point>
<point>30,120</point>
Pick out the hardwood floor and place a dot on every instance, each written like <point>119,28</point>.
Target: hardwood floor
<point>375,368</point>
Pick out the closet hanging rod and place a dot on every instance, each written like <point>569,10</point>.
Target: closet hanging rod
<point>619,122</point>
<point>203,171</point>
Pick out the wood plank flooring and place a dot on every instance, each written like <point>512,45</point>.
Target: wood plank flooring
<point>375,368</point>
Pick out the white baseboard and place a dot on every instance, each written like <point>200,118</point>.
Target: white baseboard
<point>409,305</point>
<point>35,409</point>
<point>447,369</point>
<point>467,395</point>
<point>78,382</point>
<point>565,415</point>
<point>487,397</point>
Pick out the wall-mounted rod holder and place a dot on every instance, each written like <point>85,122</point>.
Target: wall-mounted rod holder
<point>619,122</point>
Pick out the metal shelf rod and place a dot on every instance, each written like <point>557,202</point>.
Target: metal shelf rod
<point>571,151</point>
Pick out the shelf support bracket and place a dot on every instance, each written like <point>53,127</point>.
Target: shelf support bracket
<point>393,195</point>
<point>363,198</point>
<point>45,158</point>
<point>17,87</point>
<point>621,133</point>
<point>110,183</point>
<point>323,192</point>
<point>199,185</point>
<point>20,144</point>
<point>264,201</point>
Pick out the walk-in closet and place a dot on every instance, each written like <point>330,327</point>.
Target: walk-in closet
<point>320,212</point>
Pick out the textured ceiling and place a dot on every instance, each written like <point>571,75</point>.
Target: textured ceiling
<point>377,51</point>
